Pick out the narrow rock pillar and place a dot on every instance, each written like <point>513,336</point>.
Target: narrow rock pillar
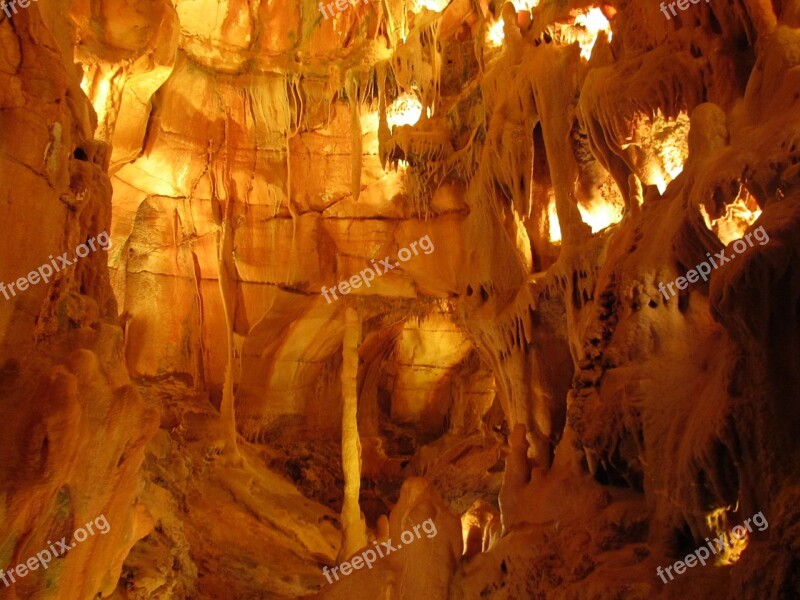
<point>353,525</point>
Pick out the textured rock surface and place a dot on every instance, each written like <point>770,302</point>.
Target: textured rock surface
<point>525,375</point>
<point>75,427</point>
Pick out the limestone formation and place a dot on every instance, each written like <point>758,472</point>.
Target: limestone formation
<point>548,383</point>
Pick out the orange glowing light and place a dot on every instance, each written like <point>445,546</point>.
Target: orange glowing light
<point>552,217</point>
<point>593,21</point>
<point>675,149</point>
<point>734,546</point>
<point>495,35</point>
<point>97,87</point>
<point>600,215</point>
<point>405,110</point>
<point>434,5</point>
<point>739,215</point>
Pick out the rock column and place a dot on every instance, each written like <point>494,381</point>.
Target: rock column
<point>353,525</point>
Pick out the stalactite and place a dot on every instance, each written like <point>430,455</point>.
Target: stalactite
<point>295,93</point>
<point>353,87</point>
<point>384,133</point>
<point>224,237</point>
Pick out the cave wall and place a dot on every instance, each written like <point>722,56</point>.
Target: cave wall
<point>72,416</point>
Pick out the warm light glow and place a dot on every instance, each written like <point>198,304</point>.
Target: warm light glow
<point>369,130</point>
<point>405,110</point>
<point>433,339</point>
<point>555,228</point>
<point>369,121</point>
<point>525,4</point>
<point>663,144</point>
<point>496,35</point>
<point>434,5</point>
<point>467,523</point>
<point>601,215</point>
<point>706,217</point>
<point>593,22</point>
<point>97,87</point>
<point>585,28</point>
<point>734,551</point>
<point>661,184</point>
<point>718,523</point>
<point>673,162</point>
<point>100,99</point>
<point>675,149</point>
<point>86,79</point>
<point>739,215</point>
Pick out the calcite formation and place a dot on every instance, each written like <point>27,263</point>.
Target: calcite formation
<point>525,386</point>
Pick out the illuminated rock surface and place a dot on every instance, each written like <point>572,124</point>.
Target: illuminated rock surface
<point>529,174</point>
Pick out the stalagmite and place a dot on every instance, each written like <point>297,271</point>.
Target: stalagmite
<point>353,525</point>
